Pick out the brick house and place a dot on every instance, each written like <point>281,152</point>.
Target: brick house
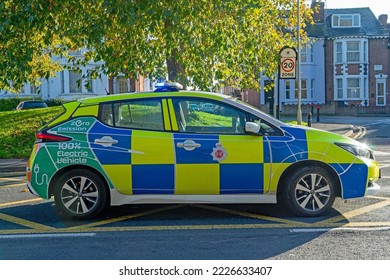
<point>356,61</point>
<point>344,67</point>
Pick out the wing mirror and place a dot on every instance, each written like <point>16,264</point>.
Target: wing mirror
<point>251,127</point>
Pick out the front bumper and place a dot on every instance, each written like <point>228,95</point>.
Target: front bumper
<point>372,188</point>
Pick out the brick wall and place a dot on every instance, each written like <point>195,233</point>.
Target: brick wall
<point>378,55</point>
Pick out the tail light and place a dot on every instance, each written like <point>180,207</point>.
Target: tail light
<point>43,136</point>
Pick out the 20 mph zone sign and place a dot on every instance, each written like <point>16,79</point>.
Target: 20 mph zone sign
<point>288,58</point>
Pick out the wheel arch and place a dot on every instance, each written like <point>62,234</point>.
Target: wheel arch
<point>62,171</point>
<point>290,170</point>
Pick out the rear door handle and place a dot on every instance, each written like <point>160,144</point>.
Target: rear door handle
<point>106,141</point>
<point>188,145</point>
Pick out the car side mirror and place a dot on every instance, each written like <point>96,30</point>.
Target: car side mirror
<point>251,127</point>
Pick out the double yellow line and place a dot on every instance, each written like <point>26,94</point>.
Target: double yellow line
<point>101,226</point>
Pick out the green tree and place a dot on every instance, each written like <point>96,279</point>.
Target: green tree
<point>197,42</point>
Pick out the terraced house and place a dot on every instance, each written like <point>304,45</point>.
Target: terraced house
<point>345,67</point>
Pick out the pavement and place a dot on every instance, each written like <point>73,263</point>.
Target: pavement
<point>14,167</point>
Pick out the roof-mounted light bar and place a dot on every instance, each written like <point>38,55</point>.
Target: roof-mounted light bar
<point>167,86</point>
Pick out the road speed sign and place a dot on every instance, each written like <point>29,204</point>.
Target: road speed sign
<point>287,63</point>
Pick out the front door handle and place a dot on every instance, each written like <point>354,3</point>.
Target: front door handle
<point>188,145</point>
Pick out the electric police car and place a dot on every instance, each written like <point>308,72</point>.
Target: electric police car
<point>153,148</point>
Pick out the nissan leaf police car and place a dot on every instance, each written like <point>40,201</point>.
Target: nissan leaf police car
<point>156,148</point>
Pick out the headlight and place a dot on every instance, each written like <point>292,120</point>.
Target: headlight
<point>356,150</point>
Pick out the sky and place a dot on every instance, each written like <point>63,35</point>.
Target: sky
<point>378,7</point>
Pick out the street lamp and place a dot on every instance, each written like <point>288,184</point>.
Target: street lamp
<point>299,109</point>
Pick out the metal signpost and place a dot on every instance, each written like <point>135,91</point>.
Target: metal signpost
<point>287,70</point>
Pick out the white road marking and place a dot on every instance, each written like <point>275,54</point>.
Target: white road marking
<point>48,235</point>
<point>306,230</point>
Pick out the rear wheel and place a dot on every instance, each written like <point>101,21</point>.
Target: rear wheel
<point>80,194</point>
<point>310,191</point>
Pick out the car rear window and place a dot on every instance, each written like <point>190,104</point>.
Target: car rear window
<point>135,114</point>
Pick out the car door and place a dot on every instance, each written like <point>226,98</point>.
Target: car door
<point>213,153</point>
<point>134,146</point>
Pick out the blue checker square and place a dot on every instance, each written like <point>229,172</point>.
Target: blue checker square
<point>117,153</point>
<point>153,178</point>
<point>241,178</point>
<point>354,173</point>
<point>202,154</point>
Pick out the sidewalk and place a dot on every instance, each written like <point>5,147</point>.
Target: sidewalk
<point>343,129</point>
<point>9,166</point>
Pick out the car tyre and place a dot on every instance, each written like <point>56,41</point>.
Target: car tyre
<point>80,194</point>
<point>309,192</point>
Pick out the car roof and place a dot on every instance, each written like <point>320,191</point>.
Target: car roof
<point>136,95</point>
<point>32,101</point>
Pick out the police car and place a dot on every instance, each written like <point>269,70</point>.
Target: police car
<point>152,148</point>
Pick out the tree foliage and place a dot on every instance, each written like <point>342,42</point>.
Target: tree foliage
<point>198,42</point>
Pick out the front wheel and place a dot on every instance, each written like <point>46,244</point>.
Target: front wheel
<point>80,194</point>
<point>309,192</point>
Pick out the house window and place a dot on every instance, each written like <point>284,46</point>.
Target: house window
<point>365,51</point>
<point>353,51</point>
<point>307,53</point>
<point>339,52</point>
<point>34,89</point>
<point>62,80</point>
<point>353,88</point>
<point>75,81</point>
<point>365,92</point>
<point>339,84</point>
<point>303,89</point>
<point>304,54</point>
<point>123,85</point>
<point>312,89</point>
<point>380,94</point>
<point>342,21</point>
<point>89,82</point>
<point>288,90</point>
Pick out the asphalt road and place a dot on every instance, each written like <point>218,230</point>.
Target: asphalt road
<point>30,229</point>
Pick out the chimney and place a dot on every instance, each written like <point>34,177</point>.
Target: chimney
<point>318,8</point>
<point>383,20</point>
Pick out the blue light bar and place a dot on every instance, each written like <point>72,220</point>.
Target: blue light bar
<point>167,86</point>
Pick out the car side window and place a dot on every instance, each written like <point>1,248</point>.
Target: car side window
<point>135,114</point>
<point>265,127</point>
<point>201,116</point>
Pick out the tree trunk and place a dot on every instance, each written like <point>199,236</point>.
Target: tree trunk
<point>175,70</point>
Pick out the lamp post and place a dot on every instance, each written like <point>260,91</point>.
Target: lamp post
<point>299,109</point>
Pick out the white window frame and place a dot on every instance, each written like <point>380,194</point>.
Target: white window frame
<point>288,90</point>
<point>353,90</point>
<point>339,88</point>
<point>339,52</point>
<point>346,21</point>
<point>353,55</point>
<point>304,89</point>
<point>381,79</point>
<point>312,84</point>
<point>121,80</point>
<point>343,51</point>
<point>74,77</point>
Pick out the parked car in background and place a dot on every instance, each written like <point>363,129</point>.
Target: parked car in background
<point>31,104</point>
